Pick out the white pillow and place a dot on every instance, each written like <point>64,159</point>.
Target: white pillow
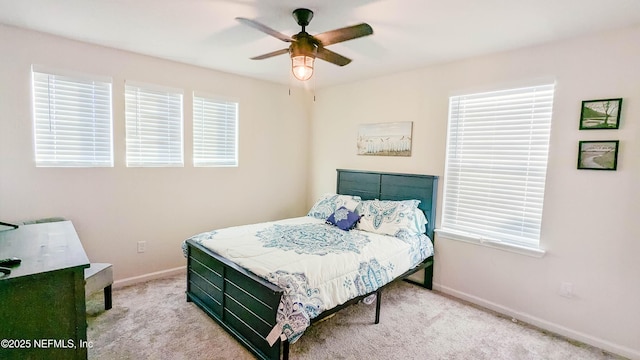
<point>329,203</point>
<point>389,217</point>
<point>420,223</point>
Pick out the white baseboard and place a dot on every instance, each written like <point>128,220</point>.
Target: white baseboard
<point>543,324</point>
<point>150,276</point>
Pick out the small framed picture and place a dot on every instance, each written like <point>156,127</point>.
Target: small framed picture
<point>600,114</point>
<point>598,155</point>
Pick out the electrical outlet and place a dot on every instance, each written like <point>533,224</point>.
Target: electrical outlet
<point>566,289</point>
<point>142,246</point>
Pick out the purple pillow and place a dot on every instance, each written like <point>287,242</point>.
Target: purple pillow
<point>343,218</point>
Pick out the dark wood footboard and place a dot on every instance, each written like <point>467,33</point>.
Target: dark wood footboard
<point>244,304</point>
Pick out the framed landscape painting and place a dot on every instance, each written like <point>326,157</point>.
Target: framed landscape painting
<point>598,155</point>
<point>385,139</point>
<point>600,114</point>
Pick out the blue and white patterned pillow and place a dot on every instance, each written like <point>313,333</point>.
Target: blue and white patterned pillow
<point>329,203</point>
<point>389,217</point>
<point>343,218</point>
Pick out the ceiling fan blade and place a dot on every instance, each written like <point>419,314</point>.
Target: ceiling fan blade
<point>273,53</point>
<point>332,57</point>
<point>265,29</point>
<point>344,34</point>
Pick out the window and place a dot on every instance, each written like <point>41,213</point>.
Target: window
<point>496,165</point>
<point>154,126</point>
<point>215,132</point>
<point>72,121</point>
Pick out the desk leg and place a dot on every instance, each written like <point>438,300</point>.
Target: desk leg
<point>107,298</point>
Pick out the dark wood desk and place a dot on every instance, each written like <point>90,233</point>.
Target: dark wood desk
<point>42,301</point>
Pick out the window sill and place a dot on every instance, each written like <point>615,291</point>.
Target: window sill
<point>518,249</point>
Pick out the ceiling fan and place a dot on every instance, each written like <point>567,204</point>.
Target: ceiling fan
<point>305,48</point>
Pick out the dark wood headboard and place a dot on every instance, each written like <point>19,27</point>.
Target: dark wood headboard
<point>371,185</point>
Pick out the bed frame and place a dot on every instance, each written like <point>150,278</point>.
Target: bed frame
<point>245,305</point>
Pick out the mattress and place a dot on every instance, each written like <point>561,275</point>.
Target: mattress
<point>317,265</point>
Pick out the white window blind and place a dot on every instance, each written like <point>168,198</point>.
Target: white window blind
<point>496,164</point>
<point>215,132</point>
<point>72,121</point>
<point>154,126</point>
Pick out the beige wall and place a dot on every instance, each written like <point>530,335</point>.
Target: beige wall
<point>114,208</point>
<point>590,228</point>
<point>590,225</point>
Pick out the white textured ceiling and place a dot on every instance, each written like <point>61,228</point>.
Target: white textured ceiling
<point>408,34</point>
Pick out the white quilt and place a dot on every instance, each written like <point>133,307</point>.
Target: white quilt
<point>318,265</point>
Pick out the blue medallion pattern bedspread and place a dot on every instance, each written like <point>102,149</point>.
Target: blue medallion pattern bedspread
<point>318,265</point>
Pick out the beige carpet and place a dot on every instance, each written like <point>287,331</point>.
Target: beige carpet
<point>153,321</point>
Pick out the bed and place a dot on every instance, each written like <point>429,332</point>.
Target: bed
<point>231,286</point>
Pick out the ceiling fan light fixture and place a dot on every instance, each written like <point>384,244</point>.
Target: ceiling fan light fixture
<point>304,48</point>
<point>303,53</point>
<point>302,67</point>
